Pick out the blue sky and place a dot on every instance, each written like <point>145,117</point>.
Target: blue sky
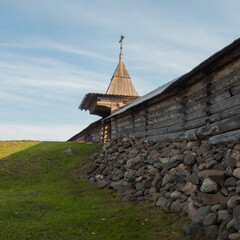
<point>53,52</point>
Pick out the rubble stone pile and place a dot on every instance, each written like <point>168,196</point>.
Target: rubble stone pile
<point>195,178</point>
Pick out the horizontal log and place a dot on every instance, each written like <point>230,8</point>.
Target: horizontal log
<point>232,136</point>
<point>226,104</point>
<point>226,70</point>
<point>180,136</point>
<point>167,122</point>
<point>139,134</point>
<point>230,112</point>
<point>153,132</point>
<point>226,81</point>
<point>219,96</point>
<point>220,127</point>
<point>140,129</point>
<point>235,89</point>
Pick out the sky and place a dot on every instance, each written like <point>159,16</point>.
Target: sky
<point>54,52</point>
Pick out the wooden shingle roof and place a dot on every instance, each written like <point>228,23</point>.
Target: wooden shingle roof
<point>121,83</point>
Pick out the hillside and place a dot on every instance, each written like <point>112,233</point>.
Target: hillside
<point>44,197</point>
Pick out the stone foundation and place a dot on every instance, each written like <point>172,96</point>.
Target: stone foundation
<point>194,178</point>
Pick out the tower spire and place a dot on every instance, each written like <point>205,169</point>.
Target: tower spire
<point>121,40</point>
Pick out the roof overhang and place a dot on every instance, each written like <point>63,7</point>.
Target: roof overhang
<point>100,104</point>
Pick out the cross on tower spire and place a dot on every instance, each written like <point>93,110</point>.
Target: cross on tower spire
<point>121,40</point>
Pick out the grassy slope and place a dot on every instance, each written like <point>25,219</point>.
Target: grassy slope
<point>43,197</point>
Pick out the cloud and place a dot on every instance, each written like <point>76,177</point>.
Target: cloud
<point>38,132</point>
<point>36,43</point>
<point>22,72</point>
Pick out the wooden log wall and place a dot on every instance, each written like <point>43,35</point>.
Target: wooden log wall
<point>205,109</point>
<point>93,135</point>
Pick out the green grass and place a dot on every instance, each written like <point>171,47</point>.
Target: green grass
<point>42,196</point>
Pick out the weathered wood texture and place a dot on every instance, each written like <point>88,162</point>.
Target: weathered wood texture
<point>94,135</point>
<point>206,109</point>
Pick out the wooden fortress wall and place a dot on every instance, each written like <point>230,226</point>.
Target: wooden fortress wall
<point>206,106</point>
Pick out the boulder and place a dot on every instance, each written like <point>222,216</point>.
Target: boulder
<point>216,175</point>
<point>230,182</point>
<point>201,214</point>
<point>222,215</point>
<point>192,229</point>
<point>171,164</point>
<point>236,212</point>
<point>234,236</point>
<point>209,186</point>
<point>233,201</point>
<point>211,219</point>
<point>191,209</point>
<point>189,159</point>
<point>161,202</point>
<point>189,188</point>
<point>176,206</point>
<point>236,173</point>
<point>211,232</point>
<point>237,223</point>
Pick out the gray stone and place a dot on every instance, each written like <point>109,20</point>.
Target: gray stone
<point>165,179</point>
<point>230,162</point>
<point>236,173</point>
<point>175,195</point>
<point>222,231</point>
<point>211,232</point>
<point>218,156</point>
<point>156,180</point>
<point>211,164</point>
<point>237,223</point>
<point>124,191</point>
<point>116,185</point>
<point>210,219</point>
<point>176,206</point>
<point>233,201</point>
<point>216,175</point>
<point>236,212</point>
<point>167,205</point>
<point>215,208</point>
<point>189,188</point>
<point>234,236</point>
<point>230,182</point>
<point>209,186</point>
<point>161,202</point>
<point>192,229</point>
<point>230,226</point>
<point>68,152</point>
<point>102,184</point>
<point>163,160</point>
<point>193,179</point>
<point>106,146</point>
<point>229,172</point>
<point>153,171</point>
<point>222,215</point>
<point>201,214</point>
<point>212,199</point>
<point>171,164</point>
<point>189,159</point>
<point>92,180</point>
<point>139,186</point>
